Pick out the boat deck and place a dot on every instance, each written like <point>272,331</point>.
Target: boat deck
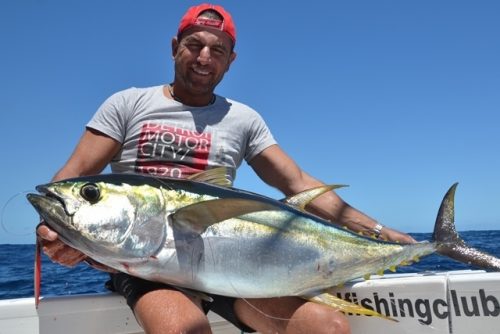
<point>461,302</point>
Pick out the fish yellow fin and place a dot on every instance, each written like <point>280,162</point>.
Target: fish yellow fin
<point>217,176</point>
<point>345,306</point>
<point>197,217</point>
<point>367,277</point>
<point>303,198</point>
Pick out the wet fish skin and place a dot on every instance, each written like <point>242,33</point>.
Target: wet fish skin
<point>216,239</point>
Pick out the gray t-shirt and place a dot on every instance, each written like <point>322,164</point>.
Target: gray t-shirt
<point>163,137</point>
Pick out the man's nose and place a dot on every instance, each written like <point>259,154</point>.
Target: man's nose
<point>204,56</point>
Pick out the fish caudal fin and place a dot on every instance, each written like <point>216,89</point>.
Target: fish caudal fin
<point>345,306</point>
<point>449,242</point>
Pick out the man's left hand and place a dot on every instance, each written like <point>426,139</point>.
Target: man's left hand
<point>395,236</point>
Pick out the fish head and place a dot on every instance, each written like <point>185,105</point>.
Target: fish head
<point>102,218</point>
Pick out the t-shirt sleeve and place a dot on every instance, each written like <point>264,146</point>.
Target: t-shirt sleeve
<point>260,138</point>
<point>111,117</point>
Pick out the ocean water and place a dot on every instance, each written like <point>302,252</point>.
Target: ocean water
<point>17,261</point>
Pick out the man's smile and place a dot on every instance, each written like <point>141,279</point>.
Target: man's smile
<point>200,71</point>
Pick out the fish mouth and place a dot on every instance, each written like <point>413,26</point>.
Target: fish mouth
<point>53,211</point>
<point>50,207</point>
<point>47,199</point>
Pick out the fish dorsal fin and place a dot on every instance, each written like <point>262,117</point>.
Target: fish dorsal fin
<point>217,176</point>
<point>197,217</point>
<point>343,305</point>
<point>303,198</point>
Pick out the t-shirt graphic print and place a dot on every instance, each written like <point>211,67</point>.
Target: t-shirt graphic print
<point>168,150</point>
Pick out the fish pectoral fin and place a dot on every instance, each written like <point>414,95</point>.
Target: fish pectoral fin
<point>217,176</point>
<point>197,217</point>
<point>302,199</point>
<point>344,306</point>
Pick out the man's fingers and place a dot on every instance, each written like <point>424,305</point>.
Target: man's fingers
<point>51,248</point>
<point>72,260</point>
<point>57,250</point>
<point>395,236</point>
<point>46,233</point>
<point>61,253</point>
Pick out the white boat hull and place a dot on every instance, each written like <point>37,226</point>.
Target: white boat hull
<point>461,302</point>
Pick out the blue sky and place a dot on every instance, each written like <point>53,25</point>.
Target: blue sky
<point>398,99</point>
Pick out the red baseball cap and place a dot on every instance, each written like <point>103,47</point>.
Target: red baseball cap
<point>191,18</point>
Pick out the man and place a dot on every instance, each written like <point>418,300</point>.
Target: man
<point>183,128</point>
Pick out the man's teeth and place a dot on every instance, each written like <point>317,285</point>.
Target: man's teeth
<point>199,71</point>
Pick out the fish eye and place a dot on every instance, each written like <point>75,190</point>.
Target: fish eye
<point>90,192</point>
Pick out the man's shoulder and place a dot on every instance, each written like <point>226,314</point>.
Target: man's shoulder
<point>238,106</point>
<point>139,90</point>
<point>131,95</point>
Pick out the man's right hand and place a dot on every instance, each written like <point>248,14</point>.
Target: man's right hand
<point>56,250</point>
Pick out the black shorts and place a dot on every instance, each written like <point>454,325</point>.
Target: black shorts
<point>133,288</point>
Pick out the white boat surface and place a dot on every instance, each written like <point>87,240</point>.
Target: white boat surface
<point>458,302</point>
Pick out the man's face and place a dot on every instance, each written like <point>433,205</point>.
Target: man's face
<point>202,56</point>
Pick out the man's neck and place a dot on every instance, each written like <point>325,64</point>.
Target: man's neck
<point>176,93</point>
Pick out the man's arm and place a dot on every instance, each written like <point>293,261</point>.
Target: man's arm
<point>94,151</point>
<point>277,169</point>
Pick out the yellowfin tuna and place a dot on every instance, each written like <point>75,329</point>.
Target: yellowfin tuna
<point>211,238</point>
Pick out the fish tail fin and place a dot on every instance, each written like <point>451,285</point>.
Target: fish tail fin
<point>449,242</point>
<point>345,306</point>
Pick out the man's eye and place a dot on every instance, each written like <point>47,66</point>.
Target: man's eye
<point>219,51</point>
<point>193,46</point>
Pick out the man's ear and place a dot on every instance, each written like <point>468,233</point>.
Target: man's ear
<point>232,57</point>
<point>175,46</point>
